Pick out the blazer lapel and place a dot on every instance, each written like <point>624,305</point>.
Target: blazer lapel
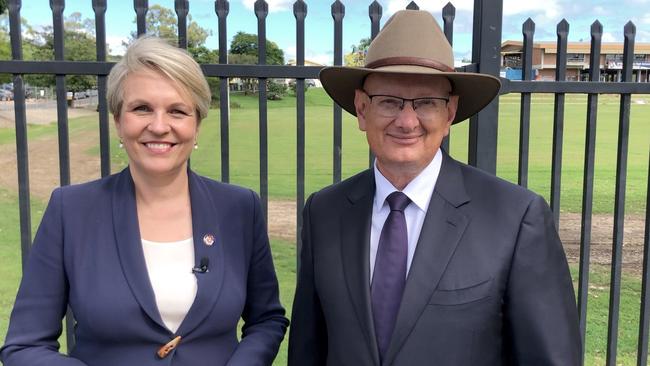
<point>355,249</point>
<point>441,231</point>
<point>208,243</point>
<point>129,245</point>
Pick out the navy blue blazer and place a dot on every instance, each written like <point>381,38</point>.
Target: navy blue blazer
<point>87,253</point>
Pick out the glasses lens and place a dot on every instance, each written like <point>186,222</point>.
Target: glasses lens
<point>427,107</point>
<point>387,106</point>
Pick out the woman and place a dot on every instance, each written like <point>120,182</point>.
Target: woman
<point>157,263</point>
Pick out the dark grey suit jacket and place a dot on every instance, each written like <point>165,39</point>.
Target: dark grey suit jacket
<point>489,283</point>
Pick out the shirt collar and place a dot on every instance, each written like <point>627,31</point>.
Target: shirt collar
<point>419,190</point>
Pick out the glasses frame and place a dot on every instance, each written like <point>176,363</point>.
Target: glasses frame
<point>404,100</point>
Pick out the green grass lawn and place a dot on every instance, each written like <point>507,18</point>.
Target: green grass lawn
<point>244,165</point>
<point>244,147</point>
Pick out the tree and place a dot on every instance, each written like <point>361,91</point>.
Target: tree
<point>79,45</point>
<point>3,6</point>
<point>244,51</point>
<point>276,90</point>
<point>246,44</point>
<point>162,22</point>
<point>204,55</point>
<point>5,47</point>
<point>358,55</point>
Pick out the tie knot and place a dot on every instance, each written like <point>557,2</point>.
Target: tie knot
<point>398,201</point>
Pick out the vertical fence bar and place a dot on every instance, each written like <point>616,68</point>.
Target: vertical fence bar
<point>300,12</point>
<point>588,180</point>
<point>261,11</point>
<point>619,197</point>
<point>338,12</point>
<point>99,7</point>
<point>558,121</point>
<point>528,30</point>
<point>448,16</point>
<point>22,151</point>
<point>57,7</point>
<point>222,8</point>
<point>412,6</point>
<point>141,8</point>
<point>374,12</point>
<point>486,53</point>
<point>182,7</point>
<point>644,319</point>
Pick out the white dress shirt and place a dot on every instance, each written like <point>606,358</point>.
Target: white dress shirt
<point>419,190</point>
<point>170,271</point>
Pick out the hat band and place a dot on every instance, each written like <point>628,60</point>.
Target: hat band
<point>414,61</point>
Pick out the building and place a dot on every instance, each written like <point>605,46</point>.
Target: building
<point>309,82</point>
<point>545,55</point>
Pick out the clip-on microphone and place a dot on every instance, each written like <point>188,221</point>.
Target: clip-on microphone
<point>202,267</point>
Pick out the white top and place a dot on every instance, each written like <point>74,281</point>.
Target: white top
<point>170,271</point>
<point>419,190</point>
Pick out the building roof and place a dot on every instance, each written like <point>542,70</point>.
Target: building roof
<point>307,63</point>
<point>550,47</point>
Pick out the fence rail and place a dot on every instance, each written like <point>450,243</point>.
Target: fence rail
<point>487,18</point>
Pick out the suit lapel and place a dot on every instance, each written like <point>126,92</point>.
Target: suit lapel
<point>355,248</point>
<point>129,245</point>
<point>205,221</point>
<point>441,231</point>
<point>206,226</point>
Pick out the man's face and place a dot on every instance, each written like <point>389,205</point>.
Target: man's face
<point>407,141</point>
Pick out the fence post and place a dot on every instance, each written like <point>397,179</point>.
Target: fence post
<point>448,16</point>
<point>338,12</point>
<point>486,54</point>
<point>99,7</point>
<point>22,150</point>
<point>222,8</point>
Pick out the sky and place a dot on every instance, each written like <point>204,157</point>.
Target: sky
<point>319,26</point>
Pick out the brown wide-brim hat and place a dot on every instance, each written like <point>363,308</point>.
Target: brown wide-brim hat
<point>411,42</point>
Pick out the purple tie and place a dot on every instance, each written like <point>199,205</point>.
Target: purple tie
<point>390,270</point>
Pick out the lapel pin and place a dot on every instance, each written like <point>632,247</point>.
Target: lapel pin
<point>208,239</point>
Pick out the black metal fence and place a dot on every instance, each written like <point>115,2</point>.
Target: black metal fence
<point>487,19</point>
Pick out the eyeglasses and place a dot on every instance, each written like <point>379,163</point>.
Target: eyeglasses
<point>391,106</point>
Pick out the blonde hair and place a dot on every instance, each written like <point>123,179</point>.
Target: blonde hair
<point>155,54</point>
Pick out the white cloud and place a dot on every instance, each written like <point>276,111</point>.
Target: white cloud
<point>549,8</point>
<point>643,36</point>
<point>646,18</point>
<point>609,37</point>
<point>429,5</point>
<point>274,5</point>
<point>310,55</point>
<point>320,58</point>
<point>115,44</point>
<point>599,10</point>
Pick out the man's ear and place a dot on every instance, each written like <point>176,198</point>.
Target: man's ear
<point>361,103</point>
<point>452,107</point>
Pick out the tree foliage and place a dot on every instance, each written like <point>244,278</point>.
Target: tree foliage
<point>3,6</point>
<point>162,22</point>
<point>79,45</point>
<point>358,55</point>
<point>246,44</point>
<point>244,50</point>
<point>276,89</point>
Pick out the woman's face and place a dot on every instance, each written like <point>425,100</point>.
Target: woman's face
<point>158,125</point>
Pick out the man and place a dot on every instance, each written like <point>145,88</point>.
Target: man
<point>423,260</point>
